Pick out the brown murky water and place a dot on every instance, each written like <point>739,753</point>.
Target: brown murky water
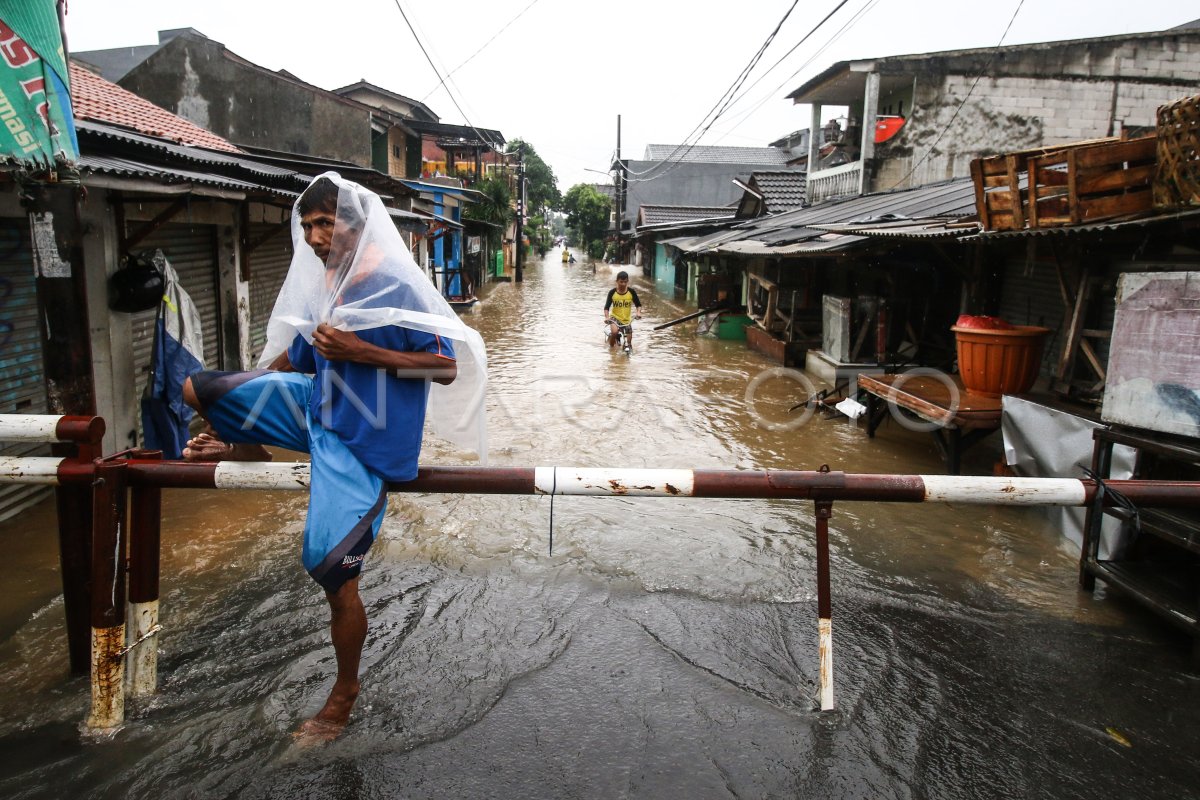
<point>666,649</point>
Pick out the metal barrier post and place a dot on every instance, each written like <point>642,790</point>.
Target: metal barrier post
<point>82,442</point>
<point>145,517</point>
<point>824,509</point>
<point>108,594</point>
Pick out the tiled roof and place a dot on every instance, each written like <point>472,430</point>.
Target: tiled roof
<point>716,155</point>
<point>96,99</point>
<point>659,215</point>
<point>782,191</point>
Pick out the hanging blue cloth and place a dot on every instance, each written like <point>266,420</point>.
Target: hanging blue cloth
<point>178,352</point>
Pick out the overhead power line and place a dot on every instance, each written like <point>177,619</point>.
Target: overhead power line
<point>483,46</point>
<point>974,83</point>
<point>846,26</point>
<point>719,108</point>
<point>441,80</point>
<point>731,96</point>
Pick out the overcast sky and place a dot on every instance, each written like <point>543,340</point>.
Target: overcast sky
<point>557,73</point>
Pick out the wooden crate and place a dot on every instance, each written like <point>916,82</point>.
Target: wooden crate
<point>1091,182</point>
<point>1064,184</point>
<point>1177,181</point>
<point>999,199</point>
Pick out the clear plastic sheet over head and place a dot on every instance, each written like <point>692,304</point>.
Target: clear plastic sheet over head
<point>368,266</point>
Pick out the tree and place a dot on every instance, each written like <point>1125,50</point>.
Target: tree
<point>588,213</point>
<point>495,207</point>
<point>541,187</point>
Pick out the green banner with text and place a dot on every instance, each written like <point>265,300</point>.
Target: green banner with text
<point>35,103</point>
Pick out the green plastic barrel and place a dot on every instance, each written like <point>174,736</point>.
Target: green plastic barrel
<point>733,326</point>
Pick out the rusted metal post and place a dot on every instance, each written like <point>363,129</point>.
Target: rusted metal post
<point>108,595</point>
<point>82,439</point>
<point>145,516</point>
<point>824,509</point>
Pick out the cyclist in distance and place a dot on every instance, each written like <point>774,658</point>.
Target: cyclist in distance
<point>620,307</point>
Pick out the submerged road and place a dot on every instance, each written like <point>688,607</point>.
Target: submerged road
<point>666,649</point>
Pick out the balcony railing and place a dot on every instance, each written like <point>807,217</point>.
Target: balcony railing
<point>840,181</point>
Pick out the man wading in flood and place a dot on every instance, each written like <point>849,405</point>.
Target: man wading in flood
<point>357,335</point>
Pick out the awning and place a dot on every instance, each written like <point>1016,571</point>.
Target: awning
<point>1092,227</point>
<point>127,169</point>
<point>826,243</point>
<point>907,229</point>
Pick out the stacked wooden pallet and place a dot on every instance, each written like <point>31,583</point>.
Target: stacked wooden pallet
<point>1065,185</point>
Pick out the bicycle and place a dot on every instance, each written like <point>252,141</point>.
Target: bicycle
<point>624,335</point>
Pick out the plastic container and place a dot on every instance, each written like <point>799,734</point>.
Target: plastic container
<point>733,326</point>
<point>993,362</point>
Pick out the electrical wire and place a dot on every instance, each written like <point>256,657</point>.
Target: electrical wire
<point>730,95</point>
<point>483,46</point>
<point>441,80</point>
<point>854,20</point>
<point>974,83</point>
<point>722,102</point>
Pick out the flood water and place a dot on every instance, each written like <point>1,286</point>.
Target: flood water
<point>666,649</point>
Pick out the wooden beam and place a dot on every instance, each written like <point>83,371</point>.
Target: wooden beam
<point>156,223</point>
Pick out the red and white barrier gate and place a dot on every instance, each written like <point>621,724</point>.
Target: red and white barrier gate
<point>144,474</point>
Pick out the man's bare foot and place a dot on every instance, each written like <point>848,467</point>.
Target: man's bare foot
<point>329,722</point>
<point>207,447</point>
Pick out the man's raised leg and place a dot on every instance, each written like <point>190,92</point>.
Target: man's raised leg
<point>207,446</point>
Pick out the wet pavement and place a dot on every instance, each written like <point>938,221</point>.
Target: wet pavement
<point>666,649</point>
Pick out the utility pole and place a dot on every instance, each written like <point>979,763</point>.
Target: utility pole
<point>620,192</point>
<point>520,211</point>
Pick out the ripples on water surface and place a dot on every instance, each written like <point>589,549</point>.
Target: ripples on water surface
<point>666,649</point>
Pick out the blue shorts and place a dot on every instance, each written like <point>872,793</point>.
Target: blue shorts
<point>346,500</point>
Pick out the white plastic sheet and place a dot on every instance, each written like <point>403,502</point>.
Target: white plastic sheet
<point>368,266</point>
<point>1045,442</point>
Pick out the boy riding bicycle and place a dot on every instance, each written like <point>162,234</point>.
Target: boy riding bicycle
<point>624,305</point>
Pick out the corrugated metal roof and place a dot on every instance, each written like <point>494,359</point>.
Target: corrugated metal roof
<point>806,230</point>
<point>825,243</point>
<point>1091,227</point>
<point>111,165</point>
<point>197,155</point>
<point>435,188</point>
<point>909,229</point>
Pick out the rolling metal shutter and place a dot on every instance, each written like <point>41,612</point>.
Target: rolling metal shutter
<point>192,252</point>
<point>22,386</point>
<point>269,264</point>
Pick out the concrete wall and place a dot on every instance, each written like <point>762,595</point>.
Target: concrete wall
<point>1032,99</point>
<point>196,79</point>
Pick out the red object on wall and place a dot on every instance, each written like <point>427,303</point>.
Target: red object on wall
<point>887,127</point>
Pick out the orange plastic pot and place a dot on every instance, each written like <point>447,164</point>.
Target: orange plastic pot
<point>1002,361</point>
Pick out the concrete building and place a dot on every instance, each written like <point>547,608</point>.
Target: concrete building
<point>201,81</point>
<point>918,119</point>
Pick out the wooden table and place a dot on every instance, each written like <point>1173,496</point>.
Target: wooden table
<point>957,419</point>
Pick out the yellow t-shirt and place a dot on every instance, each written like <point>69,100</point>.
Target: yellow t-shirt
<point>620,306</point>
